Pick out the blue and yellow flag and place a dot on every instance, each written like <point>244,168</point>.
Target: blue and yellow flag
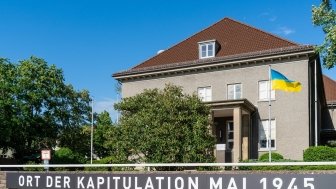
<point>280,82</point>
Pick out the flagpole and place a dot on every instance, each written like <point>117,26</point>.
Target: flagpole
<point>315,98</point>
<point>269,114</point>
<point>91,140</point>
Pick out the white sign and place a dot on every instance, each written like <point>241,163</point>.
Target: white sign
<point>45,155</point>
<point>214,180</point>
<point>220,147</point>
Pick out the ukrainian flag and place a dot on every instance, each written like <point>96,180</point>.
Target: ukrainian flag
<point>280,82</point>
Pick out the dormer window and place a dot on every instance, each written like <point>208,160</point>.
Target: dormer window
<point>207,49</point>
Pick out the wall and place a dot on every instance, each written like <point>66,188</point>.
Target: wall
<point>332,112</point>
<point>329,117</point>
<point>289,109</point>
<point>2,180</point>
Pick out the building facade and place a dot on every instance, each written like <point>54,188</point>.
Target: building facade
<point>227,65</point>
<point>328,131</point>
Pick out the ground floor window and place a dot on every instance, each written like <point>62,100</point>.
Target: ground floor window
<point>264,134</point>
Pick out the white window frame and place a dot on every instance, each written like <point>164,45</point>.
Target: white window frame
<point>207,91</point>
<point>206,44</point>
<point>267,91</point>
<point>234,91</point>
<point>263,124</point>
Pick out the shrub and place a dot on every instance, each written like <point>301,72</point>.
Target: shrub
<point>107,160</point>
<point>274,156</point>
<point>101,161</point>
<point>33,168</point>
<point>331,143</point>
<point>319,153</point>
<point>67,156</point>
<point>284,167</point>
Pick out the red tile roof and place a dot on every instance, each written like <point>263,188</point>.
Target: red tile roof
<point>232,36</point>
<point>209,61</point>
<point>329,89</point>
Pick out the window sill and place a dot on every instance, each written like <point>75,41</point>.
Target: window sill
<point>266,150</point>
<point>265,100</point>
<point>205,57</point>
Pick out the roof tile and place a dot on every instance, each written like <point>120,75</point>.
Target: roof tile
<point>329,89</point>
<point>232,36</point>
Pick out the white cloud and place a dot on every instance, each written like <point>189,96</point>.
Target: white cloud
<point>284,30</point>
<point>264,14</point>
<point>268,16</point>
<point>106,104</point>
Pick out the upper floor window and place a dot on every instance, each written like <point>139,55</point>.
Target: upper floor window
<point>264,91</point>
<point>234,91</point>
<point>207,49</point>
<point>204,93</point>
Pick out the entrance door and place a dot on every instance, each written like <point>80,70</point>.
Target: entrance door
<point>229,141</point>
<point>229,131</point>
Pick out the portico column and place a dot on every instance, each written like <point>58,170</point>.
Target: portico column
<point>245,136</point>
<point>237,127</point>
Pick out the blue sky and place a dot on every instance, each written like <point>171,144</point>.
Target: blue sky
<point>91,39</point>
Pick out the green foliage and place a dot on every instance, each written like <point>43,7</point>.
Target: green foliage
<point>274,156</point>
<point>36,106</point>
<point>104,125</point>
<point>7,103</point>
<point>325,17</point>
<point>33,168</point>
<point>116,145</point>
<point>331,143</point>
<point>108,160</point>
<point>285,167</point>
<point>320,153</point>
<point>165,126</point>
<point>67,156</point>
<point>77,139</point>
<point>268,167</point>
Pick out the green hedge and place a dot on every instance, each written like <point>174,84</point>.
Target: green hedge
<point>67,156</point>
<point>285,167</point>
<point>275,156</point>
<point>319,153</point>
<point>331,143</point>
<point>108,160</point>
<point>268,167</point>
<point>33,168</point>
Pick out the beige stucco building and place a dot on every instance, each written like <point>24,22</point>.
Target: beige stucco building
<point>227,65</point>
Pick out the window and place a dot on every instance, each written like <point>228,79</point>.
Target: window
<point>207,49</point>
<point>230,135</point>
<point>264,134</point>
<point>234,91</point>
<point>264,91</point>
<point>204,93</point>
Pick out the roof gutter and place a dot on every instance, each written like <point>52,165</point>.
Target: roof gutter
<point>214,64</point>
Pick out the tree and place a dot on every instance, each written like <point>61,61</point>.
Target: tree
<point>67,156</point>
<point>325,17</point>
<point>38,105</point>
<point>7,102</point>
<point>77,139</point>
<point>166,126</point>
<point>103,125</point>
